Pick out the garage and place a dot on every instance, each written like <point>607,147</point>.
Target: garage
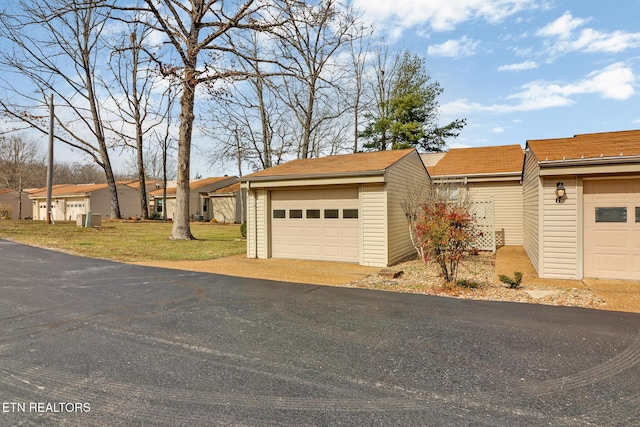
<point>341,208</point>
<point>612,228</point>
<point>316,224</point>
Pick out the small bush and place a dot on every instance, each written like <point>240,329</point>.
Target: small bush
<point>514,283</point>
<point>469,284</point>
<point>5,211</point>
<point>243,230</point>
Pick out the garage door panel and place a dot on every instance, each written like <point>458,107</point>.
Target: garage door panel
<point>324,238</point>
<point>611,239</point>
<point>611,249</point>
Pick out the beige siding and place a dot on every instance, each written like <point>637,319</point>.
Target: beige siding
<point>262,224</point>
<point>373,211</point>
<point>507,198</point>
<point>407,173</point>
<point>530,187</point>
<point>13,200</point>
<point>251,225</point>
<point>127,200</point>
<point>257,224</point>
<point>223,209</point>
<point>559,255</point>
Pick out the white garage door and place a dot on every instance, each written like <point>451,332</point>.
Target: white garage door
<point>612,229</point>
<point>315,224</point>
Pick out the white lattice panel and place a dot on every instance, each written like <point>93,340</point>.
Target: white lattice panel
<point>484,211</point>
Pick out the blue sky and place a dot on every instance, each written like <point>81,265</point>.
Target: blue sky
<point>515,69</point>
<point>523,69</point>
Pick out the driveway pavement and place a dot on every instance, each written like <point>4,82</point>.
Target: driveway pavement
<point>90,342</point>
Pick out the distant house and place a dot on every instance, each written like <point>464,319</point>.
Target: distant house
<point>11,199</point>
<point>227,204</point>
<point>582,205</point>
<point>70,200</point>
<point>199,199</point>
<point>336,208</point>
<point>492,174</point>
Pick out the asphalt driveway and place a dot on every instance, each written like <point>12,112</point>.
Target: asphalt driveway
<point>91,342</point>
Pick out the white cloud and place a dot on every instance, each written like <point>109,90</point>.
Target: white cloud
<point>527,65</point>
<point>613,82</point>
<point>440,15</point>
<point>454,48</point>
<point>564,35</point>
<point>561,27</point>
<point>498,129</point>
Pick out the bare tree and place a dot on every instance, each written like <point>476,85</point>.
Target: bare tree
<point>57,45</point>
<point>133,98</point>
<point>20,159</point>
<point>199,31</point>
<point>358,52</point>
<point>380,84</point>
<point>316,31</point>
<point>76,173</point>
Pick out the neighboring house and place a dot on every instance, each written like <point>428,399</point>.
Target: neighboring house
<point>227,204</point>
<point>198,198</point>
<point>593,230</point>
<point>491,174</point>
<point>337,208</point>
<point>8,197</point>
<point>70,200</point>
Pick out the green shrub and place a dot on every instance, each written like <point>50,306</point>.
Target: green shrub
<point>514,283</point>
<point>469,284</point>
<point>243,230</point>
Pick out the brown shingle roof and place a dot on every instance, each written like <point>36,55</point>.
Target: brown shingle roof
<point>343,164</point>
<point>68,189</point>
<point>588,146</point>
<point>480,161</point>
<point>193,185</point>
<point>228,189</point>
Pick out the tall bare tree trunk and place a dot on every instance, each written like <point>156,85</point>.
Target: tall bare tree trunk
<point>181,229</point>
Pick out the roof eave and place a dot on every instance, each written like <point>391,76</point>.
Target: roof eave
<point>589,161</point>
<point>313,176</point>
<point>479,176</point>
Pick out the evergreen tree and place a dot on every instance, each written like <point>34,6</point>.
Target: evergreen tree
<point>407,116</point>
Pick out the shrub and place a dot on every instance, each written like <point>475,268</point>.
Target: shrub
<point>447,229</point>
<point>5,211</point>
<point>469,284</point>
<point>514,283</point>
<point>243,230</point>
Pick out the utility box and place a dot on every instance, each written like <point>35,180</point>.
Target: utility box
<point>95,220</point>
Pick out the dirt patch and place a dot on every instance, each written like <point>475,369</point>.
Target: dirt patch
<point>480,273</point>
<point>285,270</point>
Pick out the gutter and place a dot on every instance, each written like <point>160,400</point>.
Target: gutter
<point>313,176</point>
<point>589,161</point>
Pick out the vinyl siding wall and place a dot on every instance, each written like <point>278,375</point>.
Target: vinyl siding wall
<point>507,197</point>
<point>406,173</point>
<point>373,212</point>
<point>531,207</point>
<point>257,224</point>
<point>560,230</point>
<point>128,200</point>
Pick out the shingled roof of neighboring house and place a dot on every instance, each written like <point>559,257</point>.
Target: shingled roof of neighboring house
<point>68,189</point>
<point>193,185</point>
<point>344,165</point>
<point>588,146</point>
<point>479,161</point>
<point>228,189</point>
